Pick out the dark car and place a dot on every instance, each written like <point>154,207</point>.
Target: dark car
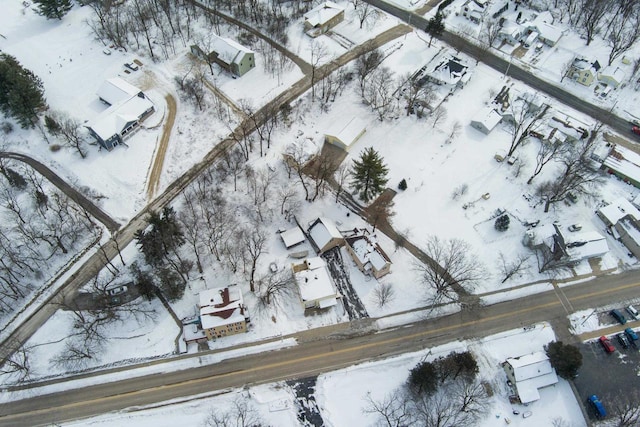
<point>623,340</point>
<point>636,130</point>
<point>618,316</point>
<point>606,344</point>
<point>631,334</point>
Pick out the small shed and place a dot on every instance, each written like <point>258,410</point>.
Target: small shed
<point>322,18</point>
<point>292,237</point>
<point>343,134</point>
<point>486,120</point>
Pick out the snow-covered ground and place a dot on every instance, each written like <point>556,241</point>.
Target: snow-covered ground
<point>72,66</point>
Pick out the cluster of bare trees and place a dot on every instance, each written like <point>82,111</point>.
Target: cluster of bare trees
<point>68,130</point>
<point>239,414</point>
<point>618,21</point>
<point>40,225</point>
<point>452,396</point>
<point>154,25</point>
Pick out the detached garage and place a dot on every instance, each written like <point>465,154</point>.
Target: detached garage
<point>343,134</point>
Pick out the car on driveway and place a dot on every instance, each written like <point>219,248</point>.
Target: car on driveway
<point>631,334</point>
<point>618,316</point>
<point>606,344</point>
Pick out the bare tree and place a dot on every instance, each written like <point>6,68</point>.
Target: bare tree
<point>624,32</point>
<point>437,410</point>
<point>69,130</point>
<point>365,12</point>
<point>625,408</point>
<point>451,269</point>
<point>454,132</point>
<point>383,294</point>
<point>320,169</point>
<point>547,151</point>
<point>472,400</point>
<point>418,95</point>
<point>438,115</point>
<point>365,64</point>
<point>592,12</point>
<point>509,268</point>
<point>525,117</point>
<point>318,54</point>
<point>275,285</point>
<point>577,175</point>
<point>240,415</point>
<point>342,175</point>
<point>296,157</point>
<point>254,240</point>
<point>379,93</point>
<point>393,411</point>
<point>490,32</point>
<point>18,364</point>
<point>380,211</point>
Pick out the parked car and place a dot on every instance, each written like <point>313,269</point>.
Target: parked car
<point>636,130</point>
<point>106,51</point>
<point>631,334</point>
<point>606,344</point>
<point>132,66</point>
<point>623,340</point>
<point>597,406</point>
<point>633,312</point>
<point>618,316</point>
<point>575,227</point>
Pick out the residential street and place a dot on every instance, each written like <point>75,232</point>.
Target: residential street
<point>319,353</point>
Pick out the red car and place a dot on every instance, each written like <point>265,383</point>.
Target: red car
<point>608,347</point>
<point>636,130</point>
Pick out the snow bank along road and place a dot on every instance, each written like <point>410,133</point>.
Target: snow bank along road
<point>484,55</point>
<point>315,356</point>
<point>125,235</point>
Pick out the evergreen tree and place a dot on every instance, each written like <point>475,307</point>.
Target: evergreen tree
<point>502,223</point>
<point>53,9</point>
<point>21,92</point>
<point>565,359</point>
<point>369,174</point>
<point>424,378</point>
<point>162,236</point>
<point>435,26</point>
<point>403,184</point>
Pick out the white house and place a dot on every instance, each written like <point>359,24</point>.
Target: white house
<point>486,120</point>
<point>345,132</point>
<point>445,69</point>
<point>542,24</point>
<point>128,108</point>
<point>315,286</point>
<point>325,234</point>
<point>619,161</point>
<point>529,373</point>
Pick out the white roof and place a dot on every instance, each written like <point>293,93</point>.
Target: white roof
<point>594,245</point>
<point>489,117</point>
<point>532,372</point>
<point>631,230</point>
<point>322,13</point>
<point>228,50</point>
<point>543,22</point>
<point>619,208</point>
<point>367,252</point>
<point>624,161</point>
<point>347,132</point>
<point>315,283</point>
<point>528,389</point>
<point>114,119</point>
<point>116,90</point>
<point>292,237</point>
<point>614,73</point>
<point>323,231</point>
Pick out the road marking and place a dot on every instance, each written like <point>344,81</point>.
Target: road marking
<point>313,357</point>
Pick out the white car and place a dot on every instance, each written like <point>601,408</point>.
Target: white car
<point>633,312</point>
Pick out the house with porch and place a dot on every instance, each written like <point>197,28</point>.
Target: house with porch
<point>528,374</point>
<point>315,286</point>
<point>222,312</point>
<point>584,72</point>
<point>128,107</point>
<point>323,18</point>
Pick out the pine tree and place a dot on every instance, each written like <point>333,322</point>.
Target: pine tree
<point>369,174</point>
<point>502,223</point>
<point>435,26</point>
<point>21,92</point>
<point>163,236</point>
<point>565,359</point>
<point>53,9</point>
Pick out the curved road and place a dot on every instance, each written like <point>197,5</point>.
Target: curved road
<point>318,355</point>
<point>71,192</point>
